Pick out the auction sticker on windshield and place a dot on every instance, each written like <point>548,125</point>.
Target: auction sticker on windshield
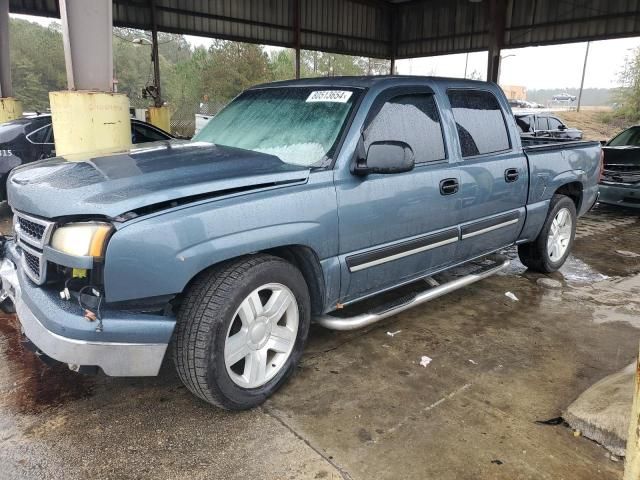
<point>339,96</point>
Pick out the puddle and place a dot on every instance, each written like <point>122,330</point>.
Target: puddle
<point>27,385</point>
<point>575,271</point>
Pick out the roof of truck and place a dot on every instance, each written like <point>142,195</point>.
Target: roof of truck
<point>369,81</point>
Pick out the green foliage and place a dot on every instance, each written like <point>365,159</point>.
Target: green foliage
<point>37,62</point>
<point>189,76</point>
<point>628,95</point>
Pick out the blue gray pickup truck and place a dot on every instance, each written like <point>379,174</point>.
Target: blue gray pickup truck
<point>294,203</point>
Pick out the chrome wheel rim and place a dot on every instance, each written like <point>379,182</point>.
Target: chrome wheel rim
<point>261,335</point>
<point>559,235</point>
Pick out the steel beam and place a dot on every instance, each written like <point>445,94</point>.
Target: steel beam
<point>155,54</point>
<point>86,35</point>
<point>296,32</point>
<point>5,63</point>
<point>497,18</point>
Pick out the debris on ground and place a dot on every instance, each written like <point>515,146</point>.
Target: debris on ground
<point>512,296</point>
<point>577,433</point>
<point>549,283</point>
<point>497,462</point>
<point>551,421</point>
<point>601,413</point>
<point>473,361</point>
<point>626,253</point>
<point>424,361</point>
<point>393,334</point>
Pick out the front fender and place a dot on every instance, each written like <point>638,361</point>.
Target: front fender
<point>160,255</point>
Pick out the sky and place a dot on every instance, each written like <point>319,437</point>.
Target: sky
<point>528,67</point>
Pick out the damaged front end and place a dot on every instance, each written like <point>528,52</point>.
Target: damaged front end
<point>52,273</point>
<point>620,183</point>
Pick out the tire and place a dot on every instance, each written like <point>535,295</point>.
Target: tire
<point>221,304</point>
<point>537,255</point>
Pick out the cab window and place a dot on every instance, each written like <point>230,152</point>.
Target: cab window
<point>480,122</point>
<point>413,119</point>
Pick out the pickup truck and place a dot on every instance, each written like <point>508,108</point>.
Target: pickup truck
<point>296,201</point>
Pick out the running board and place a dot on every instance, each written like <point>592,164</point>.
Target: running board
<point>365,319</point>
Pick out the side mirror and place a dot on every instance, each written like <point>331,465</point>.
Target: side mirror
<point>386,157</point>
<point>562,126</point>
<point>603,142</point>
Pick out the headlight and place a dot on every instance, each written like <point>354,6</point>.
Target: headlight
<point>81,239</point>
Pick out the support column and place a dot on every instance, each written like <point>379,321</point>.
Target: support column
<point>159,114</point>
<point>89,117</point>
<point>632,458</point>
<point>393,33</point>
<point>10,108</point>
<point>496,10</point>
<point>296,33</point>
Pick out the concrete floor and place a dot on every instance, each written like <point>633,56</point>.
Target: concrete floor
<point>361,406</point>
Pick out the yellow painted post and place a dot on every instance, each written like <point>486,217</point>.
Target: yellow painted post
<point>632,460</point>
<point>87,122</point>
<point>10,109</point>
<point>160,117</point>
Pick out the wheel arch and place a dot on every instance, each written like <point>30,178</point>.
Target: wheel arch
<point>304,258</point>
<point>574,190</point>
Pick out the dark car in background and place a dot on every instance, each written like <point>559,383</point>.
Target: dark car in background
<point>30,138</point>
<point>545,125</point>
<point>620,184</point>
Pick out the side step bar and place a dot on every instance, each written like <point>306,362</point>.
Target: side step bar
<point>365,319</point>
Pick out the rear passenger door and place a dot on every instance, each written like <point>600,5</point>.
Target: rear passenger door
<point>493,174</point>
<point>396,227</point>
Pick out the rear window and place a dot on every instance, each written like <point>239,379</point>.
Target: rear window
<point>479,121</point>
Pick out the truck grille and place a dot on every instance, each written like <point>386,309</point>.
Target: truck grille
<point>32,262</point>
<point>32,234</point>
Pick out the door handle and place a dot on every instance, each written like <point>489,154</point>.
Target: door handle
<point>449,186</point>
<point>511,175</point>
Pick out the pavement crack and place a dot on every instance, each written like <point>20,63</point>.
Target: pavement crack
<point>342,471</point>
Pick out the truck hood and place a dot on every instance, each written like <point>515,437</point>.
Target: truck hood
<point>151,176</point>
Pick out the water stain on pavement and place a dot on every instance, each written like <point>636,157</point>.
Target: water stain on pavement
<point>33,386</point>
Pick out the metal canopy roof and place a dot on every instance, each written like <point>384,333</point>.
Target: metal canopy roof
<point>376,28</point>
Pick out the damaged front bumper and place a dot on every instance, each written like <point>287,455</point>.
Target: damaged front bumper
<point>128,344</point>
<point>621,194</point>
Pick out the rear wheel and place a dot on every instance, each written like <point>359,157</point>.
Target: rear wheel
<point>241,331</point>
<point>548,252</point>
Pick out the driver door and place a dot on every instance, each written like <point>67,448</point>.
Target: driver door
<point>396,227</point>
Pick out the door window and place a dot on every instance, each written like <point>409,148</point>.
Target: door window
<point>43,135</point>
<point>554,123</point>
<point>542,123</point>
<point>479,121</point>
<point>143,134</point>
<point>413,119</point>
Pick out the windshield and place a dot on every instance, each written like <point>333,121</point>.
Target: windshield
<point>298,125</point>
<point>630,137</point>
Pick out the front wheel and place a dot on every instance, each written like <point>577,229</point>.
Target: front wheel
<point>548,252</point>
<point>241,331</point>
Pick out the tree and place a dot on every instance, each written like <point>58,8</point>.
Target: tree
<point>628,94</point>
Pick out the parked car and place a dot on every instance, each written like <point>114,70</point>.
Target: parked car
<point>30,138</point>
<point>298,199</point>
<point>620,184</point>
<point>564,97</point>
<point>545,125</point>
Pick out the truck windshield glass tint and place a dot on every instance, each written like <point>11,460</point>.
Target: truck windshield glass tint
<point>298,125</point>
<point>628,137</point>
<point>413,119</point>
<point>479,121</point>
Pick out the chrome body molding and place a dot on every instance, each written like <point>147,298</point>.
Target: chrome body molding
<point>491,228</point>
<point>397,256</point>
